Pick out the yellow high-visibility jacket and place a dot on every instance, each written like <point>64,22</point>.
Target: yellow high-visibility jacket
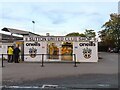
<point>10,51</point>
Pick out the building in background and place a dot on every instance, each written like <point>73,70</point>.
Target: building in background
<point>54,48</point>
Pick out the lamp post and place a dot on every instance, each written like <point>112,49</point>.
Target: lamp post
<point>12,39</point>
<point>33,25</point>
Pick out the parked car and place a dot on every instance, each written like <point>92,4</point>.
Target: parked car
<point>115,50</point>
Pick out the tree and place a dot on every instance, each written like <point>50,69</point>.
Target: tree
<point>90,33</point>
<point>112,30</point>
<point>106,39</point>
<point>82,35</point>
<point>76,34</point>
<point>73,34</point>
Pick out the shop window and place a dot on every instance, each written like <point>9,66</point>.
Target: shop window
<point>53,51</point>
<point>67,51</point>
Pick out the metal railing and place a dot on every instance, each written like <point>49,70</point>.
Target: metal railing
<point>43,61</point>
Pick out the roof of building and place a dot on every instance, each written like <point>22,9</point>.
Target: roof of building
<point>9,38</point>
<point>19,32</point>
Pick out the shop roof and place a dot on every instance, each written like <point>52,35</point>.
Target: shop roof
<point>19,32</point>
<point>9,37</point>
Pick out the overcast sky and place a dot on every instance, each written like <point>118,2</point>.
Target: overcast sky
<point>56,18</point>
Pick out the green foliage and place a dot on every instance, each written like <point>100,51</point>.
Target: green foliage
<point>110,35</point>
<point>87,33</point>
<point>76,34</point>
<point>90,33</point>
<point>73,34</point>
<point>82,35</point>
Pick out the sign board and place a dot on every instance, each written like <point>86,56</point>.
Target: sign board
<point>86,51</point>
<point>32,49</point>
<point>56,38</point>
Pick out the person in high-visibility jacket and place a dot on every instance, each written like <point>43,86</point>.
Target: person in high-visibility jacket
<point>10,54</point>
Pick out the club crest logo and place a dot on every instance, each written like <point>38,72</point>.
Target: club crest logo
<point>32,52</point>
<point>87,52</point>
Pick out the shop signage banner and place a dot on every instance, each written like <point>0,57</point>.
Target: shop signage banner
<point>86,51</point>
<point>32,49</point>
<point>56,38</point>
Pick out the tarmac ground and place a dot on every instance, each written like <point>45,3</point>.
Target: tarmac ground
<point>103,74</point>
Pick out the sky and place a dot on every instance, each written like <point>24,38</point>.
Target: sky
<point>56,18</point>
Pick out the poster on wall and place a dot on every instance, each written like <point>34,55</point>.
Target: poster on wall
<point>86,51</point>
<point>32,51</point>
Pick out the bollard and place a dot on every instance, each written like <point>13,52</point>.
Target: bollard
<point>42,60</point>
<point>2,61</point>
<point>75,61</point>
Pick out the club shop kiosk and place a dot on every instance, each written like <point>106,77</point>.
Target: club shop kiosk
<point>60,48</point>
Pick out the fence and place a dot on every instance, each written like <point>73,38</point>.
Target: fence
<point>42,61</point>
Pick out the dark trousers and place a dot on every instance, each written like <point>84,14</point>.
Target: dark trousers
<point>10,58</point>
<point>16,57</point>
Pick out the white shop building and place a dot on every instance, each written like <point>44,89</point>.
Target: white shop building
<point>54,48</point>
<point>60,48</point>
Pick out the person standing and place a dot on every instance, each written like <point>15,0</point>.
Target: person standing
<point>16,54</point>
<point>10,54</point>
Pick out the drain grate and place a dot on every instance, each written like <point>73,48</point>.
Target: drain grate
<point>49,86</point>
